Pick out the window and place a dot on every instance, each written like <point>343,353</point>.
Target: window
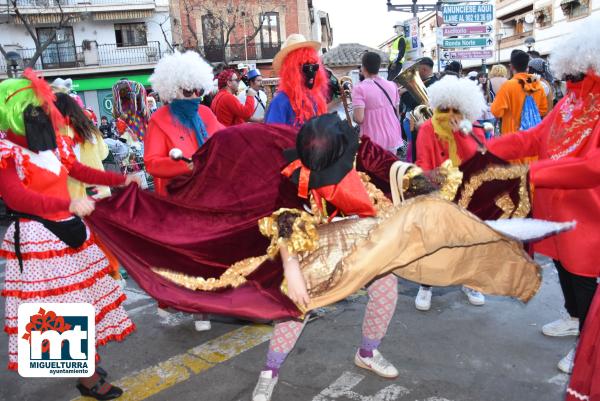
<point>269,35</point>
<point>213,38</point>
<point>515,24</point>
<point>61,52</point>
<point>543,16</point>
<point>573,9</point>
<point>131,34</point>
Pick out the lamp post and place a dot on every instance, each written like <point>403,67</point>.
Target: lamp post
<point>498,39</point>
<point>245,37</point>
<point>13,60</point>
<point>529,42</point>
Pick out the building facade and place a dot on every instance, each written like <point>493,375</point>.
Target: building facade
<point>246,31</point>
<point>97,43</point>
<point>519,24</point>
<point>537,24</point>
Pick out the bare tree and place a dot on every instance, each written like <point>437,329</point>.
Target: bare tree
<point>40,45</point>
<point>223,18</point>
<point>166,21</point>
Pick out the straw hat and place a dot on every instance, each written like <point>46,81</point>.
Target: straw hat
<point>293,42</point>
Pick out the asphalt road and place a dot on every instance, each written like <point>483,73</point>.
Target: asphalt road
<point>454,352</point>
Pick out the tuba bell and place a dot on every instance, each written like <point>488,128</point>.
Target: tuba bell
<point>411,80</point>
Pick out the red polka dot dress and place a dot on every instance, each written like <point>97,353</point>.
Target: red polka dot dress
<point>35,183</point>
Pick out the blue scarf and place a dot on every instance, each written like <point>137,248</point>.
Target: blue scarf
<point>186,112</point>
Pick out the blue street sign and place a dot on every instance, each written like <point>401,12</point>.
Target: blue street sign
<point>464,13</point>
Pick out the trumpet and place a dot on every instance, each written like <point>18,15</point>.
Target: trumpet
<point>345,84</point>
<point>411,80</point>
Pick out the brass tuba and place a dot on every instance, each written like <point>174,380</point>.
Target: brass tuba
<point>345,83</point>
<point>411,80</point>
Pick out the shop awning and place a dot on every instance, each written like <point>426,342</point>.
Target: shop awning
<point>122,15</point>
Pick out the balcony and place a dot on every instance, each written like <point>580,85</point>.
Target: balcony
<point>240,52</point>
<point>514,40</point>
<point>93,57</point>
<point>45,7</point>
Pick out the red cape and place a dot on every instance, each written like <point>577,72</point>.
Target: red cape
<point>210,221</point>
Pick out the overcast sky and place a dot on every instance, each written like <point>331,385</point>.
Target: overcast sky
<point>361,21</point>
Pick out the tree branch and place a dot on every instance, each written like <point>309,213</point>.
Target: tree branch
<point>188,17</point>
<point>167,41</point>
<point>25,22</point>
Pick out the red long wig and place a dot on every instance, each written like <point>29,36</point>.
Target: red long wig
<point>291,81</point>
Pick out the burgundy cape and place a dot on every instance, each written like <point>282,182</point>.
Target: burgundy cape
<point>210,221</point>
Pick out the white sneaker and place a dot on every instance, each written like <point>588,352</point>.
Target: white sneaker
<point>202,325</point>
<point>168,318</point>
<point>377,364</point>
<point>567,326</point>
<point>423,299</point>
<point>566,364</point>
<point>475,297</point>
<point>265,386</point>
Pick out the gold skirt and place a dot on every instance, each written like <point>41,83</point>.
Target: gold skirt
<point>426,240</point>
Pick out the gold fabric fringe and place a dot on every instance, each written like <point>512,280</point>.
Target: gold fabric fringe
<point>304,232</point>
<point>500,173</point>
<point>234,276</point>
<point>452,179</point>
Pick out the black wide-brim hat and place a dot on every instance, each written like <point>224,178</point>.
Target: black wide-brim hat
<point>340,141</point>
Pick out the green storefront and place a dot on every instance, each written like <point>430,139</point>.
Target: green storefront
<point>97,92</point>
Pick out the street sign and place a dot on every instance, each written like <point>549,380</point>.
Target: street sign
<point>467,42</point>
<point>466,30</point>
<point>467,54</point>
<point>464,13</point>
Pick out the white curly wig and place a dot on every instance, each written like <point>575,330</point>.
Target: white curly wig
<point>181,71</point>
<point>462,94</point>
<point>578,52</point>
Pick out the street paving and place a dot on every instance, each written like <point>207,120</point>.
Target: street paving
<point>454,352</point>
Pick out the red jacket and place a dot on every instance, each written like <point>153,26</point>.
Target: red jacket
<point>565,188</point>
<point>432,151</point>
<point>229,110</point>
<point>164,134</point>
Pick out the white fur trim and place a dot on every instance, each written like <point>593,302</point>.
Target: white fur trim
<point>526,229</point>
<point>462,94</point>
<point>577,395</point>
<point>181,71</point>
<point>579,51</point>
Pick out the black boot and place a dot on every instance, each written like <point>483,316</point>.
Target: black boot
<point>112,393</point>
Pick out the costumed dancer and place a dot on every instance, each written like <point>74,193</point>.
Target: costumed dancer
<point>180,80</point>
<point>571,130</point>
<point>301,93</point>
<point>439,139</point>
<point>130,105</point>
<point>50,254</point>
<point>321,166</point>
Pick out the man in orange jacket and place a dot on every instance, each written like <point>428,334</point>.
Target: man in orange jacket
<point>509,101</point>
